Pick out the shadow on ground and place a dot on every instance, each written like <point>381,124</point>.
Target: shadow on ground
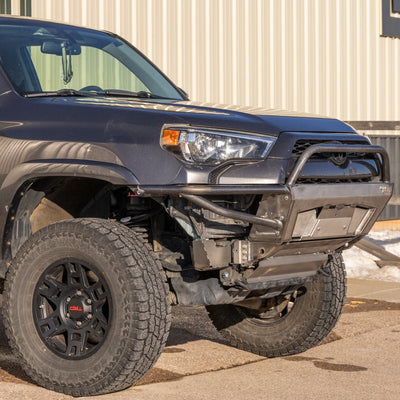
<point>188,324</point>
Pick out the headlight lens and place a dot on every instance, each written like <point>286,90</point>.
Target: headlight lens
<point>209,147</point>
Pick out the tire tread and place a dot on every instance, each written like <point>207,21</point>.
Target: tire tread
<point>292,342</point>
<point>143,281</point>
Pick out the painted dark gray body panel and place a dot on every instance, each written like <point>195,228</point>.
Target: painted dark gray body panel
<point>127,133</point>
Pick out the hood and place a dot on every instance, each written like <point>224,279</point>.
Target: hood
<point>242,118</point>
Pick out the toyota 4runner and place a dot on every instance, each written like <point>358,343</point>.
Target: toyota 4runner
<point>120,197</point>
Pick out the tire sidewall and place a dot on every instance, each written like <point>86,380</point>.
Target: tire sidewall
<point>297,322</point>
<point>312,317</point>
<point>29,271</point>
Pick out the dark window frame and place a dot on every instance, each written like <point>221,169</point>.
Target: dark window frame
<point>390,24</point>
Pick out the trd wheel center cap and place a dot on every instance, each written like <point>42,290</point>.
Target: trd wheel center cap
<point>77,308</point>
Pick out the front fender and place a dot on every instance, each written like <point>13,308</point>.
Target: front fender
<point>27,172</point>
<point>108,172</point>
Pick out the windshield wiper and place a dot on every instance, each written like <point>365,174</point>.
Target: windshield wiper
<point>61,93</point>
<point>124,93</point>
<point>115,93</point>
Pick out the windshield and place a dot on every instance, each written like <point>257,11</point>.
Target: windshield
<point>48,58</point>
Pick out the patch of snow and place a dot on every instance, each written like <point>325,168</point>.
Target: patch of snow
<point>361,265</point>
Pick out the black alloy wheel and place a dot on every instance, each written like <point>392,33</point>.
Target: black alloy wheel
<point>72,308</point>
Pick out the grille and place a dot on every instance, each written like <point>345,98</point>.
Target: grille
<point>216,173</point>
<point>213,177</point>
<point>303,144</point>
<point>321,181</point>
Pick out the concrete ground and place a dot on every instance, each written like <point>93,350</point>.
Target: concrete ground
<point>388,291</point>
<point>359,360</point>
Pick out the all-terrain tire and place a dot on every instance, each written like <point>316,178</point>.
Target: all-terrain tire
<point>86,307</point>
<point>312,317</point>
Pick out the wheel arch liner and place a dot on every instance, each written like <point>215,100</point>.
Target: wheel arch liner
<point>17,181</point>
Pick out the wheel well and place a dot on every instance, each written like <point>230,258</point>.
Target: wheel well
<point>48,200</point>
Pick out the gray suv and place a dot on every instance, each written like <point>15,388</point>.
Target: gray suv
<point>120,198</point>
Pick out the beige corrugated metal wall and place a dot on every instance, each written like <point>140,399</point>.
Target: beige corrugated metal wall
<point>321,56</point>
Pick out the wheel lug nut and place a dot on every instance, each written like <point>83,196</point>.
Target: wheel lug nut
<point>79,293</point>
<point>78,323</point>
<point>88,301</point>
<point>68,299</point>
<point>68,314</point>
<point>90,316</point>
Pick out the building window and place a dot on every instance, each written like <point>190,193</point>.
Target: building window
<point>396,6</point>
<point>5,6</point>
<point>391,18</point>
<point>25,8</point>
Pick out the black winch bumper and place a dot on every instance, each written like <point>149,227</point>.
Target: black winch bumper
<point>291,219</point>
<point>295,229</point>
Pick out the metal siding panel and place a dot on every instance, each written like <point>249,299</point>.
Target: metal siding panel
<point>323,57</point>
<point>228,71</point>
<point>214,48</point>
<point>200,44</point>
<point>187,49</point>
<point>13,7</point>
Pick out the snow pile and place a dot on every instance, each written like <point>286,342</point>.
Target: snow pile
<point>361,265</point>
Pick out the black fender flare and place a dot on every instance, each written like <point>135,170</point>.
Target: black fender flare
<point>20,177</point>
<point>108,172</point>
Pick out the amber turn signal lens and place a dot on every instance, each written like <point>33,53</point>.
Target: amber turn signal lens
<point>170,137</point>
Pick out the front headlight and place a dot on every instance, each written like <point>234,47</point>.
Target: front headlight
<point>213,147</point>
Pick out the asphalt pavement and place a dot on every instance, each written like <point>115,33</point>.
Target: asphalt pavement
<point>359,360</point>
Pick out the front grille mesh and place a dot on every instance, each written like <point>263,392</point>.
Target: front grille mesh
<point>303,144</point>
<point>321,181</point>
